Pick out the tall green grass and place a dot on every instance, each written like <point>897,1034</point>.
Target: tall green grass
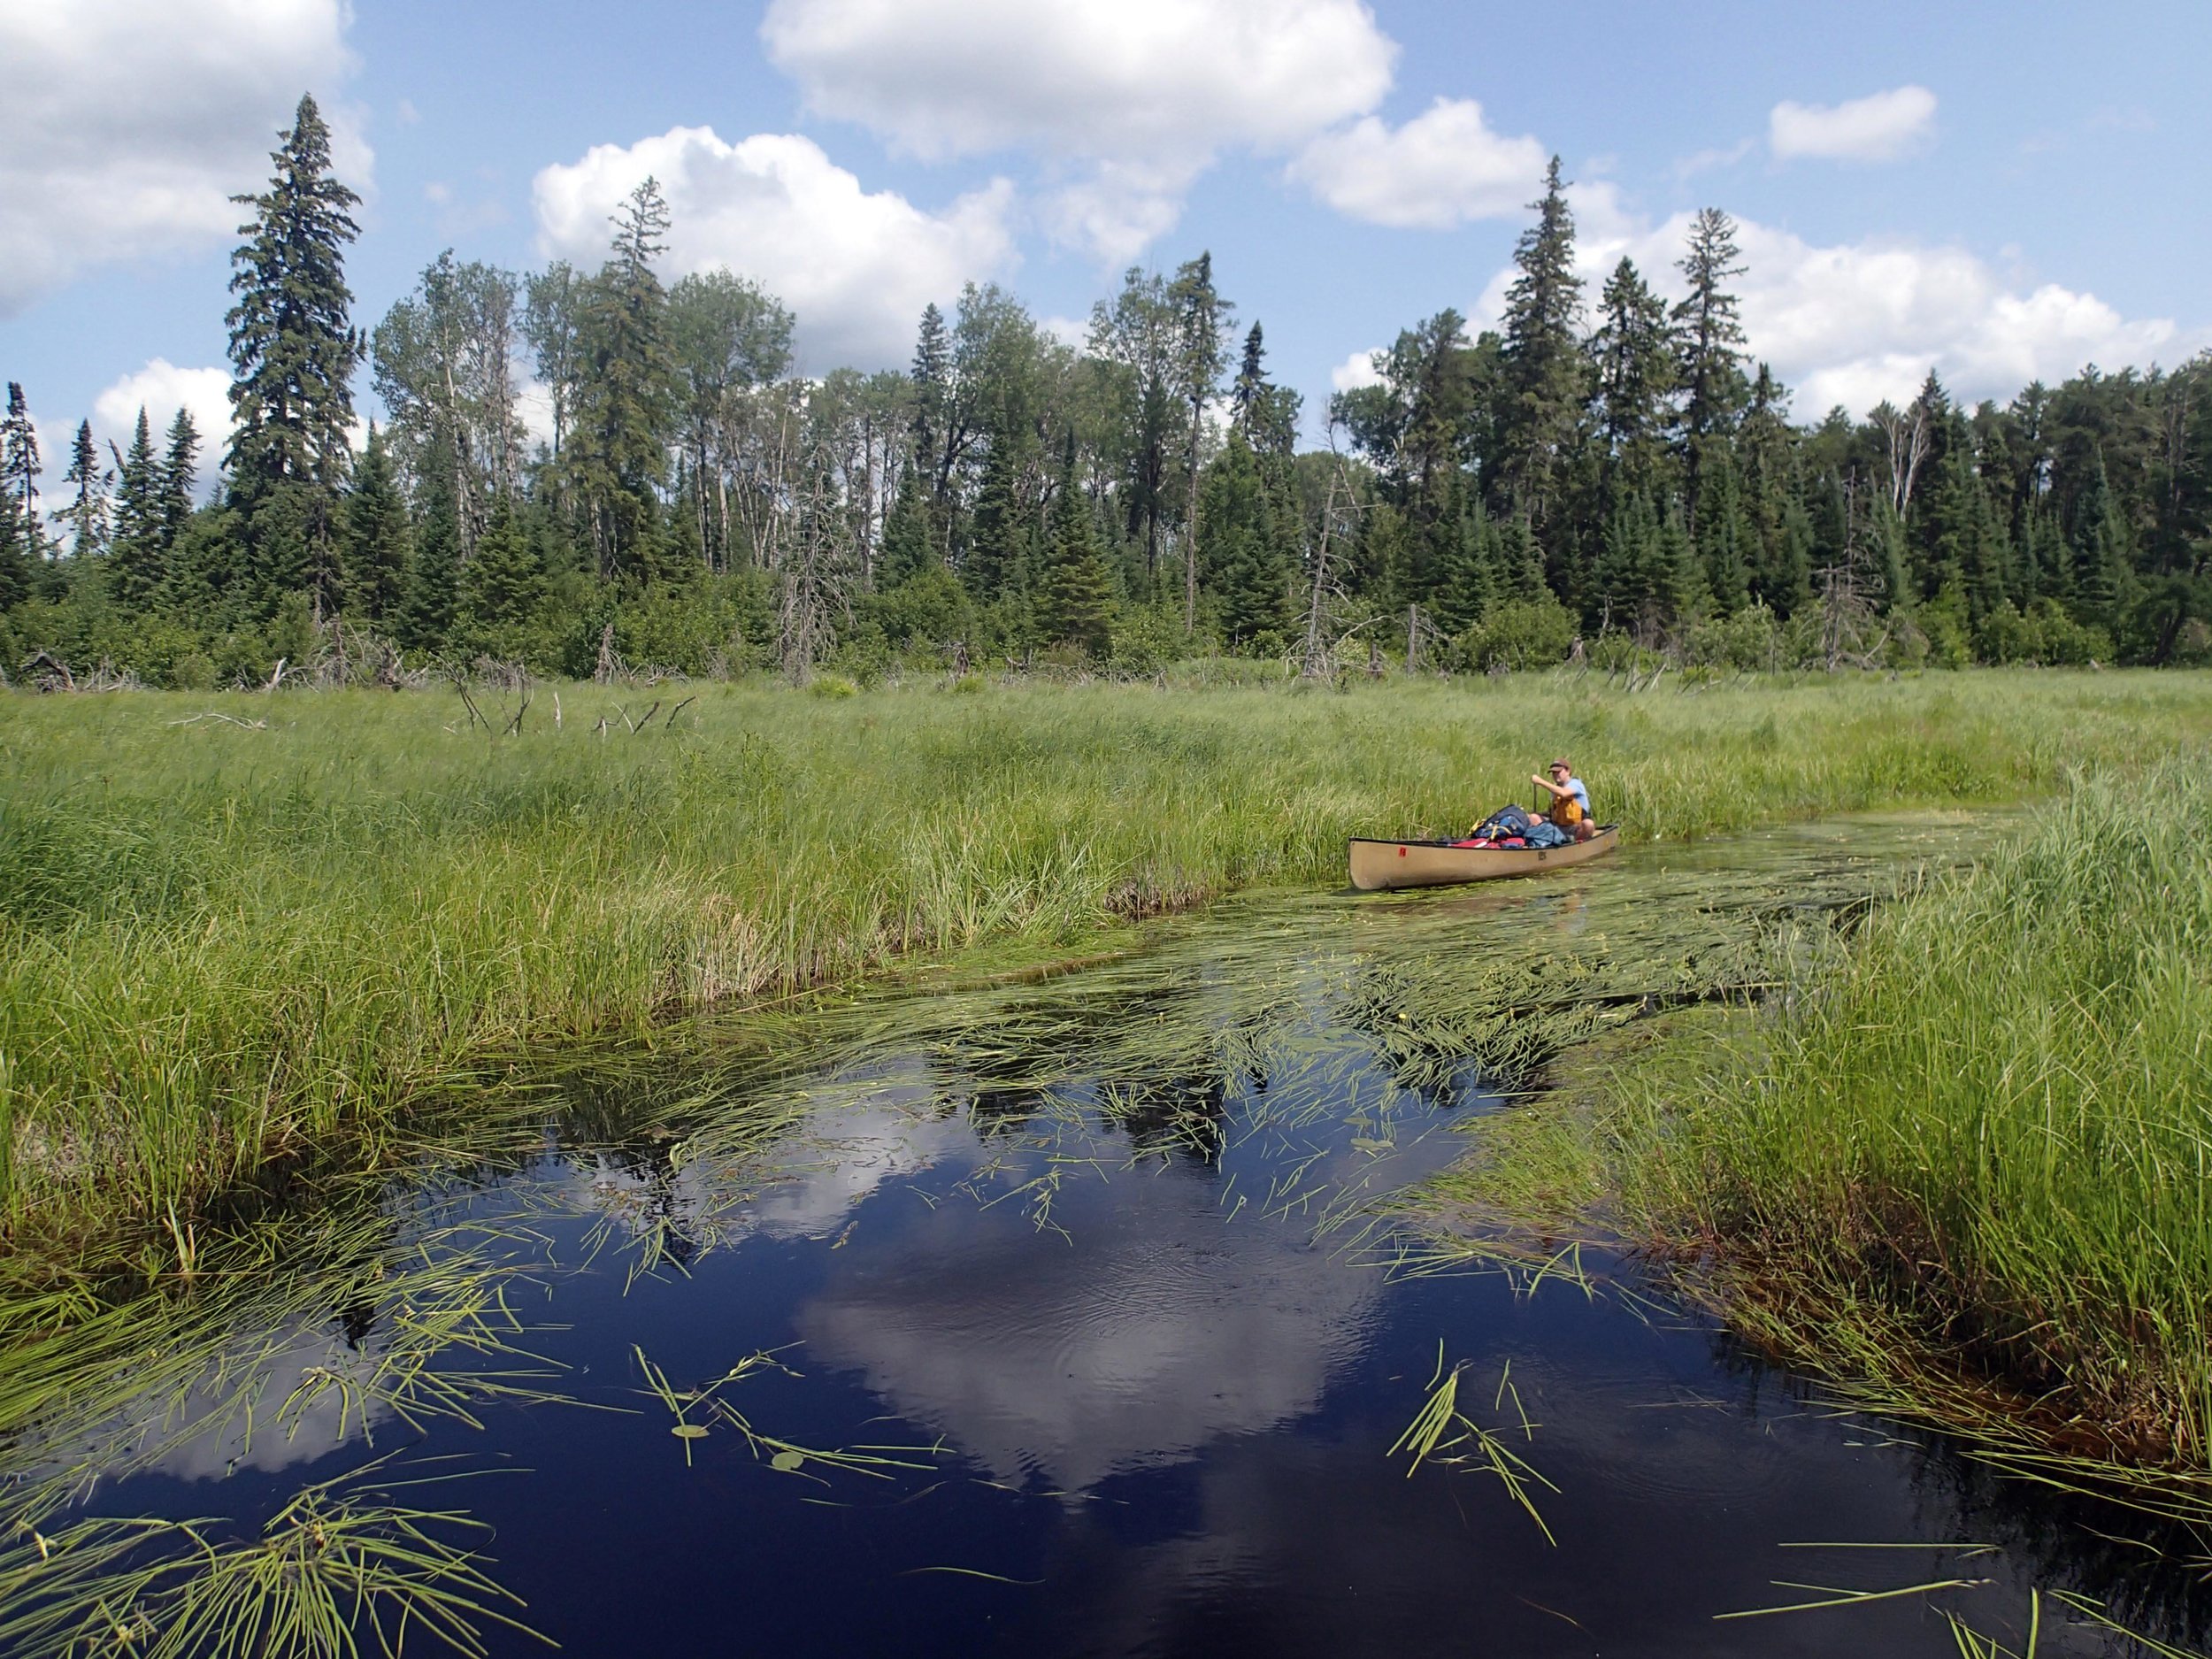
<point>1984,1148</point>
<point>223,948</point>
<point>1969,1170</point>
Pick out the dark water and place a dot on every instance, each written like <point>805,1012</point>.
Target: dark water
<point>1099,1261</point>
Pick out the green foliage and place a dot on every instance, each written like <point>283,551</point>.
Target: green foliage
<point>1520,634</point>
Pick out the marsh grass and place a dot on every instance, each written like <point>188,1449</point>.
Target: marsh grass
<point>1964,1172</point>
<point>225,951</point>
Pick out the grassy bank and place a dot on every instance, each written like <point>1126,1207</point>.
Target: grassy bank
<point>221,944</point>
<point>1967,1173</point>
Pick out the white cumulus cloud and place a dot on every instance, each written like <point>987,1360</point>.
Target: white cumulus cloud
<point>126,125</point>
<point>161,388</point>
<point>856,266</point>
<point>1444,167</point>
<point>1881,127</point>
<point>1138,96</point>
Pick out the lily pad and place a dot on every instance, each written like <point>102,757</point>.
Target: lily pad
<point>689,1432</point>
<point>787,1461</point>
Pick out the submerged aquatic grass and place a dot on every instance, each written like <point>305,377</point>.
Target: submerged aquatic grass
<point>225,952</point>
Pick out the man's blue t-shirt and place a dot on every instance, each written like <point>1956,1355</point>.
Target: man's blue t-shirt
<point>1581,794</point>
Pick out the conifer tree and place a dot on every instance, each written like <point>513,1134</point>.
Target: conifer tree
<point>1076,603</point>
<point>1710,338</point>
<point>1201,315</point>
<point>906,546</point>
<point>1634,357</point>
<point>140,562</point>
<point>180,476</point>
<point>19,467</point>
<point>426,614</point>
<point>2102,552</point>
<point>502,586</point>
<point>376,536</point>
<point>1467,580</point>
<point>625,405</point>
<point>1542,361</point>
<point>293,352</point>
<point>1240,550</point>
<point>1723,536</point>
<point>932,375</point>
<point>87,514</point>
<point>1000,531</point>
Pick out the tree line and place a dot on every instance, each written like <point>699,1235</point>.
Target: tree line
<point>1610,474</point>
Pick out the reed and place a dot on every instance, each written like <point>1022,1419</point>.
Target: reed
<point>230,948</point>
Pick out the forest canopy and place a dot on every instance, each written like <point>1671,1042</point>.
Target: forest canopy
<point>1607,472</point>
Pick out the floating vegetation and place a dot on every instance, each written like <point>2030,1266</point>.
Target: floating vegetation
<point>341,1566</point>
<point>709,1402</point>
<point>1439,1429</point>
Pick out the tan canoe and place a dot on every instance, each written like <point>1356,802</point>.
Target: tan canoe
<point>1377,864</point>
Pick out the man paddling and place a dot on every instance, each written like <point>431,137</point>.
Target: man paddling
<point>1569,809</point>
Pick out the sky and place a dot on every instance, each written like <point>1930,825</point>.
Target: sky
<point>1996,192</point>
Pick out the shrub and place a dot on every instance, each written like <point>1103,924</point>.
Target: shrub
<point>1518,635</point>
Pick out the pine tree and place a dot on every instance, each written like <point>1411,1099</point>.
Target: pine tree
<point>1710,339</point>
<point>376,536</point>
<point>1247,395</point>
<point>1076,603</point>
<point>293,352</point>
<point>87,514</point>
<point>140,561</point>
<point>1544,367</point>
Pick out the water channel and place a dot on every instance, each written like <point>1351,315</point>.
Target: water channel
<point>1076,1315</point>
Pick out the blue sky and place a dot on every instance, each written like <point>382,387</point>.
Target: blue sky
<point>1995,191</point>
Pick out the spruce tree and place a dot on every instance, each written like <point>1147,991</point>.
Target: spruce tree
<point>1635,357</point>
<point>180,478</point>
<point>625,405</point>
<point>2102,552</point>
<point>1201,314</point>
<point>1076,603</point>
<point>20,467</point>
<point>376,537</point>
<point>1543,365</point>
<point>1240,551</point>
<point>1467,580</point>
<point>293,352</point>
<point>1723,538</point>
<point>425,615</point>
<point>999,531</point>
<point>140,560</point>
<point>907,548</point>
<point>87,514</point>
<point>502,587</point>
<point>1710,338</point>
